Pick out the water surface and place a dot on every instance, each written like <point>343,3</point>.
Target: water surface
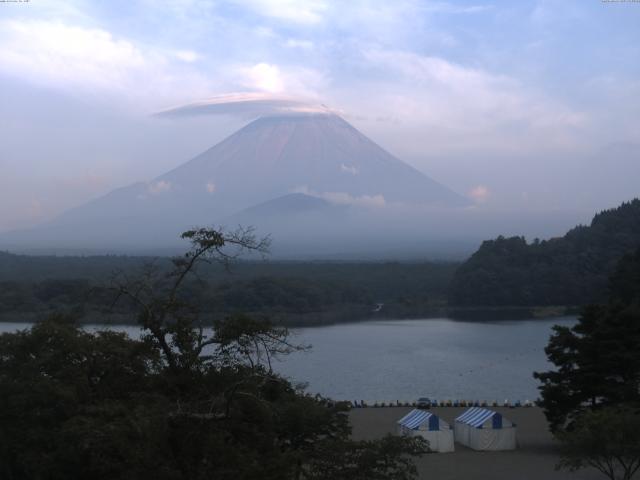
<point>406,359</point>
<point>439,358</point>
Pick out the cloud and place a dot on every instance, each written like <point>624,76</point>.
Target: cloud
<point>188,56</point>
<point>614,97</point>
<point>449,101</point>
<point>480,193</point>
<point>349,169</point>
<point>295,43</point>
<point>306,12</point>
<point>93,61</point>
<point>477,88</point>
<point>343,198</point>
<point>549,12</point>
<point>265,77</point>
<point>159,187</point>
<point>66,54</point>
<point>453,9</point>
<point>272,78</point>
<point>246,105</point>
<point>82,59</point>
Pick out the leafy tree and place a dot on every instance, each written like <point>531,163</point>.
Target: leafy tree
<point>57,381</point>
<point>184,402</point>
<point>607,440</point>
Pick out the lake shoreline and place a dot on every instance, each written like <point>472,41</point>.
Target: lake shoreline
<point>347,315</point>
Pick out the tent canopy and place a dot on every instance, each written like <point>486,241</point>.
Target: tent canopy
<point>476,417</point>
<point>418,418</point>
<point>483,429</point>
<point>420,423</point>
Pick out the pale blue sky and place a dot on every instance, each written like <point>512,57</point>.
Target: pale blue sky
<point>473,93</point>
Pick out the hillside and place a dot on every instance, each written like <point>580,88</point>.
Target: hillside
<point>570,270</point>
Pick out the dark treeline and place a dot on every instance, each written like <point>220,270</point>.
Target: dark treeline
<point>570,270</point>
<point>289,292</point>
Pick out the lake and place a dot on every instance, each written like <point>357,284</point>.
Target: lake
<point>405,359</point>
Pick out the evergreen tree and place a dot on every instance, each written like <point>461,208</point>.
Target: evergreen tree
<point>597,360</point>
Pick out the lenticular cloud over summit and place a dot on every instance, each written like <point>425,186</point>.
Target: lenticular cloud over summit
<point>250,104</point>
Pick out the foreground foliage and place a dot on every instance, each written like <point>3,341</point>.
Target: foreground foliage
<point>183,402</point>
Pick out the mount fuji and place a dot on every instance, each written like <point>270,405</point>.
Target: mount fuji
<point>293,164</point>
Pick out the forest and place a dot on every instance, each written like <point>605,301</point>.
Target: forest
<point>288,292</point>
<point>569,270</point>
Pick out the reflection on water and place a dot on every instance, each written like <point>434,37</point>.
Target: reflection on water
<point>405,359</point>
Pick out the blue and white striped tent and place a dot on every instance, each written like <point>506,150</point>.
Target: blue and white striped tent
<point>429,426</point>
<point>417,418</point>
<point>476,417</point>
<point>483,429</point>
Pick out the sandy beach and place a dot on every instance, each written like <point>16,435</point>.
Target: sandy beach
<point>534,459</point>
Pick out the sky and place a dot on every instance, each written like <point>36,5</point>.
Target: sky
<point>530,105</point>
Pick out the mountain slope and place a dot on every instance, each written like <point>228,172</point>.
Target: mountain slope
<point>320,155</point>
<point>317,153</point>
